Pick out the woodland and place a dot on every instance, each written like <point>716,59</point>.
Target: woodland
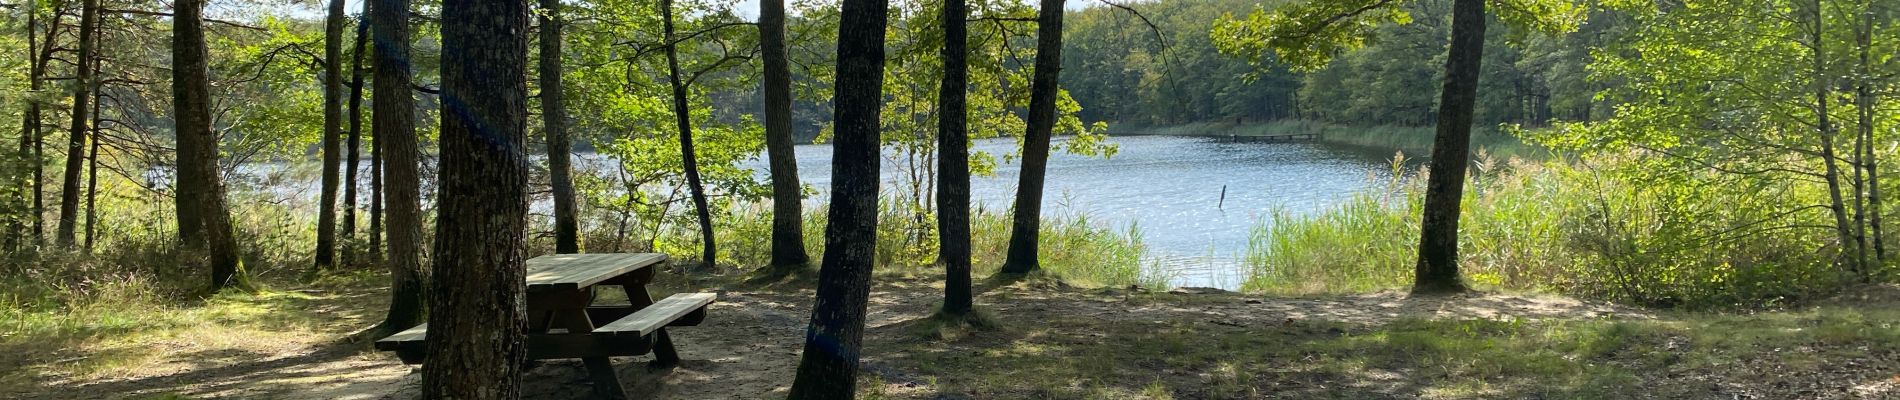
<point>1572,199</point>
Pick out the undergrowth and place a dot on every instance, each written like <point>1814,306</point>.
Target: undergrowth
<point>1605,229</point>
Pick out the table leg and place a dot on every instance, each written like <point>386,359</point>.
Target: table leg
<point>600,370</point>
<point>664,355</point>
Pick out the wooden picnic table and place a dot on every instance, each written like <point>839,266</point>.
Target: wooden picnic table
<point>562,315</point>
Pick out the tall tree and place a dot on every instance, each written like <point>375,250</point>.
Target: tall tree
<point>1306,35</point>
<point>37,213</point>
<point>684,117</point>
<point>953,161</point>
<point>1025,234</point>
<point>478,330</point>
<point>33,115</point>
<point>29,133</point>
<point>1821,85</point>
<point>554,122</point>
<point>83,83</point>
<point>828,367</point>
<point>1864,105</point>
<point>1437,268</point>
<point>92,167</point>
<point>393,123</point>
<point>356,137</point>
<point>332,129</point>
<point>788,221</point>
<point>200,183</point>
<point>376,201</point>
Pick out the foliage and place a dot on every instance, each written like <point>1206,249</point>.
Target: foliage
<point>1594,228</point>
<point>1198,63</point>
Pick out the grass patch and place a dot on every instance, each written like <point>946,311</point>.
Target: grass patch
<point>941,326</point>
<point>122,326</point>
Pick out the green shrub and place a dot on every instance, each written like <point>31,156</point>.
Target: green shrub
<point>1607,229</point>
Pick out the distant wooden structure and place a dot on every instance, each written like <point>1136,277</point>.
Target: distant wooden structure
<point>1296,137</point>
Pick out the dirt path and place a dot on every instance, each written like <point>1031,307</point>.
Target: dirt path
<point>749,347</point>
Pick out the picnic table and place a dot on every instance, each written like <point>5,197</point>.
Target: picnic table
<point>562,312</point>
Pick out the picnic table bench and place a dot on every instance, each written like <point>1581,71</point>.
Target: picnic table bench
<point>562,310</point>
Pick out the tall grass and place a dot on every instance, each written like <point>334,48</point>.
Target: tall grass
<point>1606,229</point>
<point>1073,248</point>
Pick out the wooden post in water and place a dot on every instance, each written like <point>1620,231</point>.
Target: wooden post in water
<point>1222,203</point>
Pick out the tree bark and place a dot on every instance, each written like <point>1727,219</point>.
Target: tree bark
<point>92,170</point>
<point>332,130</point>
<point>829,365</point>
<point>393,123</point>
<point>1864,103</point>
<point>554,122</point>
<point>788,195</point>
<point>76,144</point>
<point>684,117</point>
<point>29,133</point>
<point>33,115</point>
<point>1025,235</point>
<point>953,161</point>
<point>478,330</point>
<point>200,185</point>
<point>356,141</point>
<point>376,200</point>
<point>1437,269</point>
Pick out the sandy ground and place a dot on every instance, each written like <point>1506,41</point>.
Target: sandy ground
<point>748,348</point>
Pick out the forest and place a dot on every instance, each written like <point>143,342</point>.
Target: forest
<point>949,199</point>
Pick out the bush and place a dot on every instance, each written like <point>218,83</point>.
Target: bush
<point>1606,229</point>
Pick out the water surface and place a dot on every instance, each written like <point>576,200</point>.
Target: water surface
<point>1168,187</point>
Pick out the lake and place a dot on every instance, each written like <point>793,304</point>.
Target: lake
<point>1170,188</point>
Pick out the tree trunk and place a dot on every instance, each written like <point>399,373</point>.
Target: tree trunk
<point>828,367</point>
<point>355,142</point>
<point>376,201</point>
<point>392,120</point>
<point>788,195</point>
<point>684,117</point>
<point>1025,235</point>
<point>76,144</point>
<point>332,130</point>
<point>1828,156</point>
<point>29,130</point>
<point>554,121</point>
<point>1437,269</point>
<point>953,161</point>
<point>1864,103</point>
<point>33,116</point>
<point>200,185</point>
<point>478,331</point>
<point>92,171</point>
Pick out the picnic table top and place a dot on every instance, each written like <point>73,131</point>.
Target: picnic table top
<point>573,271</point>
